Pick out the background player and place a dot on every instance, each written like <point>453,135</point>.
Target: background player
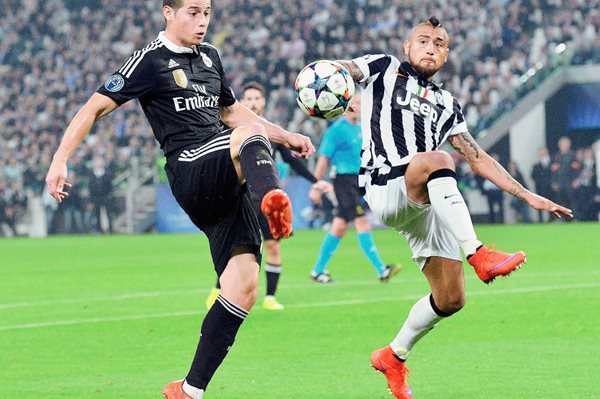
<point>340,147</point>
<point>411,185</point>
<point>181,86</point>
<point>254,97</point>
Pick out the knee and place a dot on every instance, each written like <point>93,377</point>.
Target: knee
<point>441,160</point>
<point>250,130</point>
<point>272,248</point>
<point>248,295</point>
<point>451,303</point>
<point>339,229</point>
<point>434,160</point>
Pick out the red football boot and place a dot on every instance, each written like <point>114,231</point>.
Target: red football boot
<point>174,390</point>
<point>384,361</point>
<point>277,208</point>
<point>489,263</point>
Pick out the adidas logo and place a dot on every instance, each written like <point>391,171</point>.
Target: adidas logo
<point>172,63</point>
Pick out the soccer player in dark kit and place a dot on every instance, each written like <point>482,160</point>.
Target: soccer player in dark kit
<point>181,86</point>
<point>254,97</point>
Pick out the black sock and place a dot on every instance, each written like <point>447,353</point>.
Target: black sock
<point>273,271</point>
<point>218,285</point>
<point>217,335</point>
<point>258,166</point>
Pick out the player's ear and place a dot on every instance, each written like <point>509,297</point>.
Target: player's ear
<point>168,13</point>
<point>406,47</point>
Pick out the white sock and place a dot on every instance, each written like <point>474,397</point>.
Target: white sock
<point>421,319</point>
<point>448,203</point>
<point>195,393</point>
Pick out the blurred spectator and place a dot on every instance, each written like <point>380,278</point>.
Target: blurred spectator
<point>73,209</point>
<point>565,168</point>
<point>101,190</point>
<point>520,207</point>
<point>541,174</point>
<point>494,196</point>
<point>585,188</point>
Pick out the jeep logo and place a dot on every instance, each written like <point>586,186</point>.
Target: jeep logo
<point>415,105</point>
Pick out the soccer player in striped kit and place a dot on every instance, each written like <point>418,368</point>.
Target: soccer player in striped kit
<point>411,185</point>
<point>182,88</point>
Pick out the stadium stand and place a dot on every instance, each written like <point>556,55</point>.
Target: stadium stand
<point>54,54</point>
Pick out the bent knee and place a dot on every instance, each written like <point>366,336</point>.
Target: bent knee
<point>451,304</point>
<point>252,129</point>
<point>434,160</point>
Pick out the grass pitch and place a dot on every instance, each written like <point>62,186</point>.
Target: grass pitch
<point>118,317</point>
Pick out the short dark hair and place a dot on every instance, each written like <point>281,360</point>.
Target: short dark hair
<point>174,4</point>
<point>434,22</point>
<point>256,86</point>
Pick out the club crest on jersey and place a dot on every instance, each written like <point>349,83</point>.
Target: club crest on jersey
<point>114,83</point>
<point>207,61</point>
<point>180,78</point>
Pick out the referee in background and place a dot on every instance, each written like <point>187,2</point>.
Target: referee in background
<point>181,86</point>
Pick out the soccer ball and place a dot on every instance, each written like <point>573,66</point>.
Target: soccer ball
<point>324,89</point>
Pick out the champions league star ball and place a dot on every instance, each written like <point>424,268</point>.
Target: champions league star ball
<point>324,89</point>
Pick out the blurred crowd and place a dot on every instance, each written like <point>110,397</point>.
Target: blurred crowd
<point>568,177</point>
<point>55,53</point>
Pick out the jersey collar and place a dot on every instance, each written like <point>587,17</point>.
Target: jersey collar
<point>174,47</point>
<point>407,69</point>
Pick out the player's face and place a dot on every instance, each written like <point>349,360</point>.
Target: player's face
<point>353,111</point>
<point>188,24</point>
<point>254,100</point>
<point>427,49</point>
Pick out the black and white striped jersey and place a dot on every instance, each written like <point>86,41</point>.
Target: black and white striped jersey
<point>180,90</point>
<point>401,115</point>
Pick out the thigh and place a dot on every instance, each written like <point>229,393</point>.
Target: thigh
<point>237,229</point>
<point>348,197</point>
<point>204,181</point>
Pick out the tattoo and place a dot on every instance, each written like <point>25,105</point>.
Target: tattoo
<point>465,145</point>
<point>354,70</point>
<point>516,188</point>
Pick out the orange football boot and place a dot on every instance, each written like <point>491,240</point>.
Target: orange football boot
<point>384,361</point>
<point>174,390</point>
<point>277,208</point>
<point>489,263</point>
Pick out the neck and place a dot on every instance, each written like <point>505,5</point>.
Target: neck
<point>173,38</point>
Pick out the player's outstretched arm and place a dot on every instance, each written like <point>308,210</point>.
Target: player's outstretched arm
<point>240,115</point>
<point>486,166</point>
<point>354,70</point>
<point>95,108</point>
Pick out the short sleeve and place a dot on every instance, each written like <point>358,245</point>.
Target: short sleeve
<point>459,125</point>
<point>133,80</point>
<point>227,96</point>
<point>328,144</point>
<point>372,64</point>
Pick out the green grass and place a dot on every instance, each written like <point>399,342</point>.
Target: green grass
<point>118,317</point>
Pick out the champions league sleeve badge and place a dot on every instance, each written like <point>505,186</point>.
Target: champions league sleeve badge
<point>114,83</point>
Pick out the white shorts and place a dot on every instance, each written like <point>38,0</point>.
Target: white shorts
<point>424,231</point>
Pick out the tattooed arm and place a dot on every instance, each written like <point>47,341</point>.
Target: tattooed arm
<point>487,167</point>
<point>354,70</point>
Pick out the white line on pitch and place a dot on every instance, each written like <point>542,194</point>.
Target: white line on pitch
<point>516,290</point>
<point>196,291</point>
